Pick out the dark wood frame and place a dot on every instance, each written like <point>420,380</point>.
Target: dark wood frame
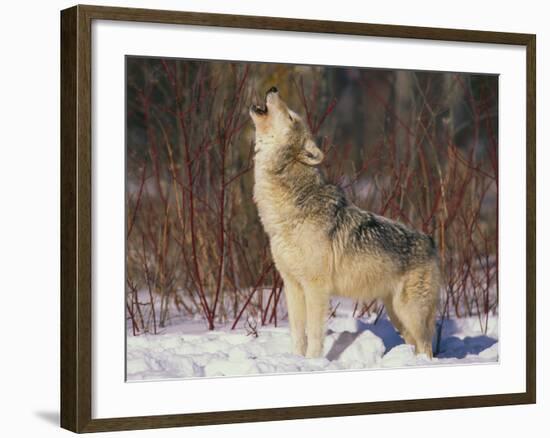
<point>76,174</point>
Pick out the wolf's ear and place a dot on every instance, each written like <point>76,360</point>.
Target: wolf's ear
<point>311,154</point>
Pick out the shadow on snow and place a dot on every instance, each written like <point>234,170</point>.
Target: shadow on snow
<point>450,346</point>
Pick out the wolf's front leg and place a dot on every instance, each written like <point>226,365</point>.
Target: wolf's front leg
<point>317,300</point>
<point>296,305</point>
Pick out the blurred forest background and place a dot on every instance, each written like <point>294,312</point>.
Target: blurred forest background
<point>419,147</point>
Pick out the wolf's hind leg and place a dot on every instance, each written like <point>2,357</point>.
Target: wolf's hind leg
<point>388,304</point>
<point>416,306</point>
<point>418,320</point>
<point>296,305</point>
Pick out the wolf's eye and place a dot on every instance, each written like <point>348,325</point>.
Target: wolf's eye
<point>290,117</point>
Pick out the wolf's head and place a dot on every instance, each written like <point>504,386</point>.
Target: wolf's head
<point>281,135</point>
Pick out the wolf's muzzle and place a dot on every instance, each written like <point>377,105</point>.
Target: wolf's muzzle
<point>259,110</point>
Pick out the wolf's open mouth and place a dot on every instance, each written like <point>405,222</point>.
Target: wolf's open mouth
<point>260,110</point>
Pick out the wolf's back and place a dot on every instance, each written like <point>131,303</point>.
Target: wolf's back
<point>365,232</point>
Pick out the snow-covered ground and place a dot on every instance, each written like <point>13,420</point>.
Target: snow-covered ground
<point>185,349</point>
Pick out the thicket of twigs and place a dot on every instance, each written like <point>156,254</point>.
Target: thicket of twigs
<point>419,147</point>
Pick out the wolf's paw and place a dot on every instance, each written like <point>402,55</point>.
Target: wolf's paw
<point>314,352</point>
<point>299,348</point>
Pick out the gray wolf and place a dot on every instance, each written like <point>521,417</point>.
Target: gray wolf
<point>323,245</point>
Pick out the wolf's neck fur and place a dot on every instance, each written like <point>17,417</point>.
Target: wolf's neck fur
<point>285,190</point>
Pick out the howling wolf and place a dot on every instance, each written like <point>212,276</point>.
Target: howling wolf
<point>323,245</point>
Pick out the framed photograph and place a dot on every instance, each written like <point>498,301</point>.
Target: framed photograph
<point>267,218</point>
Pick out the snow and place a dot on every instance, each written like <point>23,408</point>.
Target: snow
<point>186,350</point>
